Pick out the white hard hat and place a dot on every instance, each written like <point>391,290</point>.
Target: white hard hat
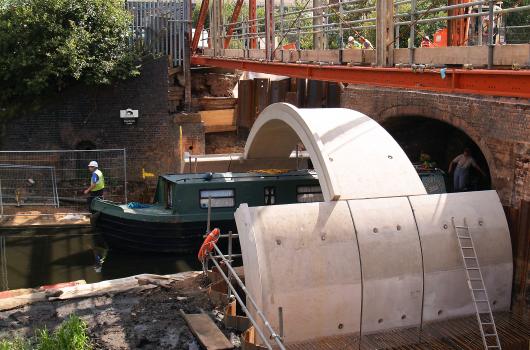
<point>93,163</point>
<point>350,38</point>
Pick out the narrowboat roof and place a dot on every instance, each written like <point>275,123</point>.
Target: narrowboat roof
<point>239,177</point>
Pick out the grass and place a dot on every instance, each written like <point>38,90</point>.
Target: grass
<point>70,335</point>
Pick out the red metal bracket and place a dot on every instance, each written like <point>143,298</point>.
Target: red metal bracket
<point>233,19</point>
<point>200,25</point>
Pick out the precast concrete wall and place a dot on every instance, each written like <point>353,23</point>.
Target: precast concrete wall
<point>367,265</point>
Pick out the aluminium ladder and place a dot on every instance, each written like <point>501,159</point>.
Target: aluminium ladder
<point>477,288</point>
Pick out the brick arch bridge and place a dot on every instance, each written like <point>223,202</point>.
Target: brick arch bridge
<point>500,127</point>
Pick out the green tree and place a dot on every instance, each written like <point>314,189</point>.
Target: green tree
<point>48,45</point>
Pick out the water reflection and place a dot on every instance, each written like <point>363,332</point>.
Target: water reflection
<point>39,256</point>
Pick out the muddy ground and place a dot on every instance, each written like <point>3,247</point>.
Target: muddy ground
<point>143,318</point>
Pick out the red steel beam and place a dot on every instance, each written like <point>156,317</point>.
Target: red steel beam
<point>200,25</point>
<point>506,83</point>
<point>233,19</point>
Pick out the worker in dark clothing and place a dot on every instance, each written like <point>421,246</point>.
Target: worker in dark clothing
<point>97,183</point>
<point>462,164</point>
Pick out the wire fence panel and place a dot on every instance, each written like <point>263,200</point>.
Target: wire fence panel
<point>160,26</point>
<point>518,34</point>
<point>22,185</point>
<point>55,180</point>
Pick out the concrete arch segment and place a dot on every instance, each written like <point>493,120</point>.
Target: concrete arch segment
<point>293,266</point>
<point>442,263</point>
<point>359,266</point>
<point>352,154</point>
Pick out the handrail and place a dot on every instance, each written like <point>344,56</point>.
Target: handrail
<point>247,312</point>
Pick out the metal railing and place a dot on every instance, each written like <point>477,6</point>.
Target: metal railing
<point>161,26</point>
<point>54,180</point>
<point>277,337</point>
<point>318,24</point>
<point>232,292</point>
<point>28,185</point>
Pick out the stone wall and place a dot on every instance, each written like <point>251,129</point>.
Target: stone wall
<point>500,127</point>
<point>89,117</point>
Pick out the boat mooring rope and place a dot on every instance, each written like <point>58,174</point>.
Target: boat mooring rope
<point>3,264</point>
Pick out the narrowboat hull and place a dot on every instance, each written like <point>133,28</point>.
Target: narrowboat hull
<point>135,232</point>
<point>140,236</point>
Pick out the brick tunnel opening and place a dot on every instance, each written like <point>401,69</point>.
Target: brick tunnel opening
<point>442,141</point>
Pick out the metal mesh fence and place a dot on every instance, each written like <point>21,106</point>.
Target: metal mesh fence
<point>160,25</point>
<point>27,185</point>
<point>518,34</point>
<point>54,180</point>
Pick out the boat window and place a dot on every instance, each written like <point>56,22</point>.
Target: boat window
<point>169,195</point>
<point>308,194</point>
<point>220,198</point>
<point>270,195</point>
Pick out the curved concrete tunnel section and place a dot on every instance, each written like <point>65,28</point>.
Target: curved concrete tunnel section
<point>368,265</point>
<point>348,149</point>
<point>379,253</point>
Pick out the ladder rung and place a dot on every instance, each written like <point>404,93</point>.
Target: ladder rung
<point>472,268</point>
<point>470,257</point>
<point>464,237</point>
<point>490,334</point>
<point>467,248</point>
<point>462,227</point>
<point>478,289</point>
<point>487,323</point>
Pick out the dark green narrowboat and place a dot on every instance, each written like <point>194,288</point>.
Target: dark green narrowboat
<point>177,219</point>
<point>176,222</point>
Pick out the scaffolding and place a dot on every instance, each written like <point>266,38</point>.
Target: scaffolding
<point>370,25</point>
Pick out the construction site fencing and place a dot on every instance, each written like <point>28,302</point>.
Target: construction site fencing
<point>161,27</point>
<point>518,34</point>
<point>329,25</point>
<point>53,181</point>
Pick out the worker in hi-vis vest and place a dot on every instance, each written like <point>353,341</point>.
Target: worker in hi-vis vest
<point>97,183</point>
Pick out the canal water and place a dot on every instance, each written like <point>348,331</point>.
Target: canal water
<point>32,257</point>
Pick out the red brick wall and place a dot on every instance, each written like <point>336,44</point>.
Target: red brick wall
<point>88,114</point>
<point>499,126</point>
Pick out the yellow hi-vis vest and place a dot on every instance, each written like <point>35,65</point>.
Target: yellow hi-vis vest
<point>101,183</point>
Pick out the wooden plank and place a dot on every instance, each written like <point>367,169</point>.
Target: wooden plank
<point>208,103</point>
<point>504,55</point>
<point>237,53</point>
<point>219,128</point>
<point>218,117</point>
<point>507,55</point>
<point>329,56</point>
<point>358,56</point>
<point>206,331</point>
<point>256,54</point>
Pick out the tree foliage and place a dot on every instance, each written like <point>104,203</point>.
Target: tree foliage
<point>47,45</point>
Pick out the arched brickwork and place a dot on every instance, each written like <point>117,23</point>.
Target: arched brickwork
<point>499,127</point>
<point>433,113</point>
